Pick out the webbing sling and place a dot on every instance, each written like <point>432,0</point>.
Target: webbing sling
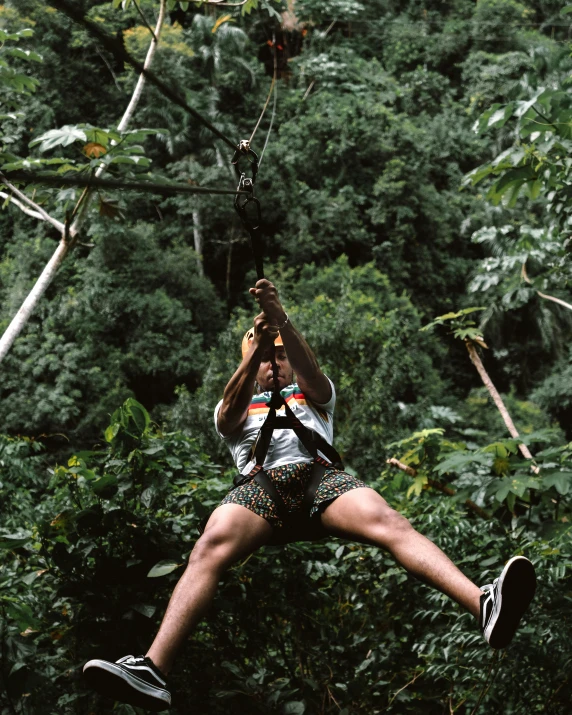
<point>312,441</point>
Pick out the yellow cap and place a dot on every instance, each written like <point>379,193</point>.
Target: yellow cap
<point>249,337</point>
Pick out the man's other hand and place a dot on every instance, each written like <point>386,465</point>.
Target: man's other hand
<point>264,332</point>
<point>266,296</point>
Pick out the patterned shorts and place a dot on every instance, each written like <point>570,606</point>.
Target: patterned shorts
<point>291,481</point>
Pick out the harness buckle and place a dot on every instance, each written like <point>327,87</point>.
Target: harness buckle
<point>241,479</point>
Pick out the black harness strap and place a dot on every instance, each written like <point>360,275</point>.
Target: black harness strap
<point>318,470</point>
<point>310,439</point>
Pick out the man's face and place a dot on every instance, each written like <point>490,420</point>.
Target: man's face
<point>285,372</point>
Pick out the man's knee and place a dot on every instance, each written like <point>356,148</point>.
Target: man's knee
<point>389,525</point>
<point>217,547</point>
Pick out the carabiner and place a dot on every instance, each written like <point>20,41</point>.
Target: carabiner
<point>251,223</point>
<point>243,150</point>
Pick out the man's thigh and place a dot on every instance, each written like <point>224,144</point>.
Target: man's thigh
<point>358,515</point>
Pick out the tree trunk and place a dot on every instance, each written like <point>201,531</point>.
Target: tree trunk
<point>477,362</point>
<point>68,241</point>
<point>198,237</point>
<point>29,305</point>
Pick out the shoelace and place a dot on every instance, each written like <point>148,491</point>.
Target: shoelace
<point>131,659</point>
<point>490,586</point>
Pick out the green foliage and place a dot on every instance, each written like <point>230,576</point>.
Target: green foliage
<point>351,630</point>
<point>12,81</point>
<point>495,475</point>
<point>370,141</point>
<point>459,325</point>
<point>536,163</point>
<point>127,317</point>
<point>555,393</point>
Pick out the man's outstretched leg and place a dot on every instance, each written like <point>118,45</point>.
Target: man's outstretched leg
<point>232,532</point>
<point>363,515</point>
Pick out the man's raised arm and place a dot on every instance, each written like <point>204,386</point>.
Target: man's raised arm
<point>310,378</point>
<point>238,392</point>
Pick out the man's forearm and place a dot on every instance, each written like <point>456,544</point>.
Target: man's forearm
<point>238,392</point>
<point>308,373</point>
<point>299,353</point>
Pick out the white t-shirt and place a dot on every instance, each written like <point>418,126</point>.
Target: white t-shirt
<point>285,447</point>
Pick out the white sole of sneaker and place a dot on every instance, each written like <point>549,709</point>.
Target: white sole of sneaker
<point>515,591</point>
<point>111,681</point>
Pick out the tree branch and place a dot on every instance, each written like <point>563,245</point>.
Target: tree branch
<point>94,182</point>
<point>43,214</point>
<point>20,205</point>
<point>488,383</point>
<point>555,300</point>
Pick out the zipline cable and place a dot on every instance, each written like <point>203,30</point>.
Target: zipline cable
<point>275,99</point>
<point>272,84</point>
<point>117,49</point>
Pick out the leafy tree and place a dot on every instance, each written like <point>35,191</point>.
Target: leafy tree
<point>124,318</point>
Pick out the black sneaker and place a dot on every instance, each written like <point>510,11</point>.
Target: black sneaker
<point>133,680</point>
<point>505,601</point>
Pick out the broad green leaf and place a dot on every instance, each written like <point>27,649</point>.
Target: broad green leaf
<point>29,578</point>
<point>500,116</point>
<point>122,159</point>
<point>145,609</point>
<point>418,483</point>
<point>64,136</point>
<point>163,568</point>
<point>503,490</point>
<point>138,413</point>
<point>112,431</point>
<point>294,707</point>
<point>562,481</point>
<point>12,541</point>
<point>478,174</point>
<point>25,54</point>
<point>490,561</point>
<point>105,487</point>
<point>459,461</point>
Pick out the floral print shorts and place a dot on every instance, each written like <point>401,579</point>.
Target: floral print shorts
<point>291,481</point>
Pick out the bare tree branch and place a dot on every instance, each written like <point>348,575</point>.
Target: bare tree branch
<point>44,215</point>
<point>92,182</point>
<point>493,392</point>
<point>21,206</point>
<point>556,300</point>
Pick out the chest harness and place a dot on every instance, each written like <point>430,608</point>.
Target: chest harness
<point>322,453</point>
<point>312,441</point>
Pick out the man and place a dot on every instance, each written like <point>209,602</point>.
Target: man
<point>248,517</point>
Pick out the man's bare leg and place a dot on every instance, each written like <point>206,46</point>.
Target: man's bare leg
<point>363,515</point>
<point>232,532</point>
